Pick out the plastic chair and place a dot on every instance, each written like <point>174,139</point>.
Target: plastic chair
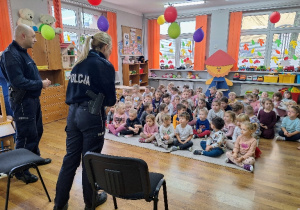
<point>124,177</point>
<point>19,160</point>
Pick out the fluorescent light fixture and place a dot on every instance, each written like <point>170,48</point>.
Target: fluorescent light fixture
<point>191,3</point>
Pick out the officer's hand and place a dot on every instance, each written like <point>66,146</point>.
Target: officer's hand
<point>46,83</point>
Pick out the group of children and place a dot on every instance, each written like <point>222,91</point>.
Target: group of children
<point>170,119</point>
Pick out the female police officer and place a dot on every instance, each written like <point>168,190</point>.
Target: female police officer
<point>85,128</point>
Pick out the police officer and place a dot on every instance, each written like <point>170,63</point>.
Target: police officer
<point>25,85</point>
<point>85,127</point>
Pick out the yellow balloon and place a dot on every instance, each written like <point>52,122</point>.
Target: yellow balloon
<point>161,20</point>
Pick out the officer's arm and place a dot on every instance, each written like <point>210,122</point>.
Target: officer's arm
<point>16,75</point>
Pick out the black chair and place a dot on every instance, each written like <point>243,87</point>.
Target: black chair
<point>124,177</point>
<point>16,161</point>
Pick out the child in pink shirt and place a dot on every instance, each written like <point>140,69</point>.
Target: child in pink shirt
<point>255,103</point>
<point>150,130</point>
<point>229,119</point>
<point>119,120</point>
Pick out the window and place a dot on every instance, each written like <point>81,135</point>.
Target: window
<point>272,45</point>
<point>177,51</point>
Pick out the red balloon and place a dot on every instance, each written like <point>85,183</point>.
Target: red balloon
<point>275,17</point>
<point>170,14</point>
<point>95,2</point>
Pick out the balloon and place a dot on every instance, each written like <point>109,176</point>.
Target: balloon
<point>198,35</point>
<point>48,32</point>
<point>95,2</point>
<point>170,14</point>
<point>174,30</point>
<point>161,20</point>
<point>41,26</point>
<point>35,28</point>
<point>275,17</point>
<point>102,24</point>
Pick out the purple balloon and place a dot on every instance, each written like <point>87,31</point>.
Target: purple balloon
<point>198,35</point>
<point>102,24</point>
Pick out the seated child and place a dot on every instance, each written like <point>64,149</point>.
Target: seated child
<point>119,120</point>
<point>237,108</point>
<point>128,98</point>
<point>255,91</point>
<point>175,102</point>
<point>287,96</point>
<point>185,96</point>
<point>166,132</point>
<point>202,125</point>
<point>224,104</point>
<point>147,92</point>
<point>229,119</point>
<point>267,119</point>
<point>186,104</point>
<point>174,92</point>
<point>163,109</point>
<point>201,105</point>
<point>167,100</point>
<point>162,88</point>
<point>180,108</point>
<point>137,97</point>
<point>290,127</point>
<point>125,93</point>
<point>255,103</point>
<point>215,111</point>
<point>196,96</point>
<point>253,119</point>
<point>148,110</point>
<point>185,87</point>
<point>243,154</point>
<point>237,130</point>
<point>128,106</point>
<point>147,99</point>
<point>133,125</point>
<point>110,115</point>
<point>212,95</point>
<point>150,130</point>
<point>232,98</point>
<point>190,98</point>
<point>169,87</point>
<point>279,107</point>
<point>156,101</point>
<point>213,146</point>
<point>183,133</point>
<point>219,95</point>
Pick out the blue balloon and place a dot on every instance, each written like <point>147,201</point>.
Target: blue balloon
<point>35,28</point>
<point>102,24</point>
<point>198,35</point>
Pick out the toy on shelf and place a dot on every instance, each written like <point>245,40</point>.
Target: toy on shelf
<point>153,74</point>
<point>26,17</point>
<point>174,76</point>
<point>179,75</point>
<point>218,65</point>
<point>171,66</point>
<point>243,77</point>
<point>162,65</point>
<point>260,79</point>
<point>249,78</point>
<point>170,75</point>
<point>236,76</point>
<point>181,67</point>
<point>289,69</point>
<point>254,77</point>
<point>166,75</point>
<point>49,20</point>
<point>189,75</point>
<point>242,68</point>
<point>261,68</point>
<point>166,66</point>
<point>193,76</point>
<point>197,76</point>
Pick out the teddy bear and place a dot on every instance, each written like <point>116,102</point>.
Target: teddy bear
<point>26,17</point>
<point>178,75</point>
<point>126,59</point>
<point>49,20</point>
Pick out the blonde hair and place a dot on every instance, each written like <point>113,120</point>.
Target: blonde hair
<point>242,118</point>
<point>120,105</point>
<point>250,126</point>
<point>150,116</point>
<point>231,114</point>
<point>232,93</point>
<point>165,117</point>
<point>128,98</point>
<point>133,111</point>
<point>204,110</point>
<point>99,40</point>
<point>220,92</point>
<point>137,87</point>
<point>128,103</point>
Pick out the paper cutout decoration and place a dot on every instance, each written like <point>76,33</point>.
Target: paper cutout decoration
<point>275,59</point>
<point>160,53</point>
<point>189,43</point>
<point>174,30</point>
<point>250,60</point>
<point>295,57</point>
<point>171,50</point>
<point>161,19</point>
<point>259,53</point>
<point>293,43</point>
<point>261,42</point>
<point>181,60</point>
<point>253,42</point>
<point>286,52</point>
<point>285,58</point>
<point>218,65</point>
<point>190,51</point>
<point>277,51</point>
<point>253,50</point>
<point>162,46</point>
<point>162,61</point>
<point>278,42</point>
<point>73,43</point>
<point>183,44</point>
<point>275,17</point>
<point>170,44</point>
<point>68,38</point>
<point>245,61</point>
<point>256,61</point>
<point>183,51</point>
<point>170,14</point>
<point>246,46</point>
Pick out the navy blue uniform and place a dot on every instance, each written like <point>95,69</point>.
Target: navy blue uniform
<point>85,131</point>
<point>21,72</point>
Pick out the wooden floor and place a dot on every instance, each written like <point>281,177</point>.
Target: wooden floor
<point>191,184</point>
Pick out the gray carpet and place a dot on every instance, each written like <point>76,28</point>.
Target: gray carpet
<point>184,153</point>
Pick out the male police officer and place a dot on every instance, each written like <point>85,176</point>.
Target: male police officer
<point>25,85</point>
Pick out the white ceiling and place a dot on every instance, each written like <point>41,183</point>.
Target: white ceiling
<point>154,6</point>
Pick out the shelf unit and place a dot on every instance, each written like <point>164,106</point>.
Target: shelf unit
<point>137,78</point>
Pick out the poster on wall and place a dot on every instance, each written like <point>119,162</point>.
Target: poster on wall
<point>126,40</point>
<point>132,41</point>
<point>133,34</point>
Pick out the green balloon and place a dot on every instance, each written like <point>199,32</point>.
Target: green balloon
<point>48,32</point>
<point>41,26</point>
<point>174,30</point>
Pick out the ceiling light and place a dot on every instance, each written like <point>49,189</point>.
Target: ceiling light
<point>191,3</point>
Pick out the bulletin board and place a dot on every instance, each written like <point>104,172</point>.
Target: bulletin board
<point>131,41</point>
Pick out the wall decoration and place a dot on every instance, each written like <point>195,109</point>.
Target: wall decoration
<point>259,53</point>
<point>278,42</point>
<point>102,23</point>
<point>189,43</point>
<point>275,17</point>
<point>245,61</point>
<point>293,43</point>
<point>95,2</point>
<point>161,19</point>
<point>162,46</point>
<point>246,47</point>
<point>171,50</point>
<point>183,44</point>
<point>277,51</point>
<point>198,35</point>
<point>275,59</point>
<point>253,42</point>
<point>174,30</point>
<point>170,14</point>
<point>295,57</point>
<point>250,60</point>
<point>261,42</point>
<point>286,52</point>
<point>253,50</point>
<point>170,44</point>
<point>160,53</point>
<point>132,41</point>
<point>126,39</point>
<point>256,61</point>
<point>183,52</point>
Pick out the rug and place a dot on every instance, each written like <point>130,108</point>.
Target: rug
<point>184,153</point>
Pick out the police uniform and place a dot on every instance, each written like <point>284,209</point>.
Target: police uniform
<point>85,131</point>
<point>23,79</point>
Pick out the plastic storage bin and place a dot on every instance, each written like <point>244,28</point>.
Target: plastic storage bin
<point>295,97</point>
<point>298,79</point>
<point>287,78</point>
<point>271,78</point>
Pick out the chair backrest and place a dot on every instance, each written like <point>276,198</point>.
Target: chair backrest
<point>118,176</point>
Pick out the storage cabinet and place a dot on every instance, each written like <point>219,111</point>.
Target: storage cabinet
<point>135,74</point>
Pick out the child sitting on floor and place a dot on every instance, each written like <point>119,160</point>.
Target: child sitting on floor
<point>219,95</point>
<point>202,125</point>
<point>201,105</point>
<point>213,146</point>
<point>147,110</point>
<point>232,98</point>
<point>279,106</point>
<point>110,115</point>
<point>150,130</point>
<point>156,101</point>
<point>147,92</point>
<point>191,121</point>
<point>180,108</point>
<point>167,100</point>
<point>237,108</point>
<point>224,104</point>
<point>125,93</point>
<point>175,102</point>
<point>133,125</point>
<point>163,109</point>
<point>212,95</point>
<point>290,127</point>
<point>183,133</point>
<point>128,106</point>
<point>137,98</point>
<point>243,154</point>
<point>267,119</point>
<point>237,130</point>
<point>253,119</point>
<point>147,99</point>
<point>229,119</point>
<point>119,120</point>
<point>215,111</point>
<point>166,132</point>
<point>287,96</point>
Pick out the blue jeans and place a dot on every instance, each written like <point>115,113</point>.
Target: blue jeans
<point>183,146</point>
<point>85,132</point>
<point>215,152</point>
<point>29,125</point>
<point>292,138</point>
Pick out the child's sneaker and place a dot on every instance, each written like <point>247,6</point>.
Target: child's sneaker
<point>190,149</point>
<point>195,136</point>
<point>248,167</point>
<point>128,136</point>
<point>280,138</point>
<point>227,160</point>
<point>198,152</point>
<point>118,134</point>
<point>165,146</point>
<point>174,148</point>
<point>142,140</point>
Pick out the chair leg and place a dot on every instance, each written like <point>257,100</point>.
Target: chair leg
<point>42,182</point>
<point>7,191</point>
<point>94,200</point>
<point>115,202</point>
<point>165,195</point>
<point>155,202</point>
